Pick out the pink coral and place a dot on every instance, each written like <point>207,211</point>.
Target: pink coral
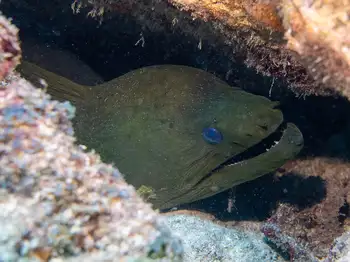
<point>10,52</point>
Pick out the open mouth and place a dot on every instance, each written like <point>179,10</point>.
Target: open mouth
<point>287,135</point>
<point>264,145</point>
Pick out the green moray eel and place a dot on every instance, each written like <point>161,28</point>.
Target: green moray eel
<point>177,133</point>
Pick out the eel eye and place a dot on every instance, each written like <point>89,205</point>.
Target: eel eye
<point>212,135</point>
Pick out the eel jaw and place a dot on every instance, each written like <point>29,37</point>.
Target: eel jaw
<point>258,160</point>
<point>285,131</point>
<point>246,166</point>
<point>265,145</point>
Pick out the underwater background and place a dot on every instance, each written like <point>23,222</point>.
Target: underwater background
<point>287,202</point>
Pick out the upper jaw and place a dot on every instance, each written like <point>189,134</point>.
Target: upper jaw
<point>261,147</point>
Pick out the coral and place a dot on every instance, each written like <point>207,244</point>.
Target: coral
<point>10,52</point>
<point>239,28</point>
<point>58,200</point>
<point>265,12</point>
<point>319,32</point>
<point>317,224</point>
<point>314,60</point>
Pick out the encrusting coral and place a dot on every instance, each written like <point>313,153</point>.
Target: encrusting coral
<point>319,31</point>
<point>57,199</point>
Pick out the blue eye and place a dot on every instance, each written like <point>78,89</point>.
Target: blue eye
<point>212,135</point>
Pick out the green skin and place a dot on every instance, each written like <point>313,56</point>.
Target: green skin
<point>149,123</point>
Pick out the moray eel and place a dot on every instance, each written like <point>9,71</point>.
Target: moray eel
<point>178,134</point>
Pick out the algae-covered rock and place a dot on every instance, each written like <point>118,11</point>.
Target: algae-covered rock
<point>208,242</point>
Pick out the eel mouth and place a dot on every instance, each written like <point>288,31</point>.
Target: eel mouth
<point>286,133</point>
<point>261,147</point>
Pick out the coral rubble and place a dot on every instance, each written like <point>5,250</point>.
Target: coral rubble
<point>58,200</point>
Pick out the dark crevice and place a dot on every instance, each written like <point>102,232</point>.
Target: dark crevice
<point>344,212</point>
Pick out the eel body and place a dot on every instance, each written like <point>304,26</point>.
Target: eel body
<point>177,133</point>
